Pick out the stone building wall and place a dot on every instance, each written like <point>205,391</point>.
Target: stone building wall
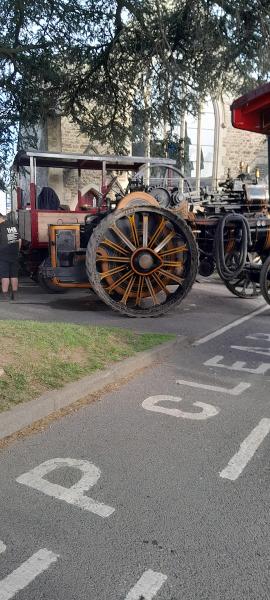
<point>65,136</point>
<point>232,147</point>
<point>236,145</point>
<point>74,141</point>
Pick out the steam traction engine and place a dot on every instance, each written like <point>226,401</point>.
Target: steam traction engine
<point>233,227</point>
<point>138,247</point>
<point>137,256</point>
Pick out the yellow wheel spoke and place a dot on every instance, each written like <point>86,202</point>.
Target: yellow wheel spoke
<point>157,232</point>
<point>139,291</point>
<point>173,263</point>
<point>114,246</point>
<point>160,283</point>
<point>171,276</point>
<point>164,242</point>
<point>119,281</point>
<point>134,230</point>
<point>145,230</point>
<point>151,290</point>
<point>112,272</point>
<point>116,259</point>
<point>174,251</point>
<point>123,237</point>
<point>128,290</point>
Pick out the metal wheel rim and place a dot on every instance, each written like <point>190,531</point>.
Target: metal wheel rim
<point>145,260</point>
<point>242,286</point>
<point>265,280</point>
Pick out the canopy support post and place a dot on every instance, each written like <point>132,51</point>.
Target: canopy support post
<point>268,163</point>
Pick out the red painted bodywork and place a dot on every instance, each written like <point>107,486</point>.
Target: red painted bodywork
<point>251,112</point>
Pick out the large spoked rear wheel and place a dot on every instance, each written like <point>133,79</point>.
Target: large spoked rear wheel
<point>265,280</point>
<point>142,261</point>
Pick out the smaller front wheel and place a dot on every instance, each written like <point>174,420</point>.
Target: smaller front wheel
<point>243,287</point>
<point>265,280</point>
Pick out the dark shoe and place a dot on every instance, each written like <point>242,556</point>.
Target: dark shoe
<point>4,297</point>
<point>13,295</point>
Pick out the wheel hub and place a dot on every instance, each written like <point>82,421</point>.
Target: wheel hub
<point>145,261</point>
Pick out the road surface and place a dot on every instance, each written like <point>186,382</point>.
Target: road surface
<point>160,489</point>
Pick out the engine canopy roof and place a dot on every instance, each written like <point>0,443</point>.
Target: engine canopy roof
<point>251,112</point>
<point>84,161</point>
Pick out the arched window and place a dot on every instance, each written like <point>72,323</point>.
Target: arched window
<point>201,145</point>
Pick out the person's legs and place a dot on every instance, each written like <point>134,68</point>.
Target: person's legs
<point>14,284</point>
<point>4,276</point>
<point>14,287</point>
<point>13,273</point>
<point>5,285</point>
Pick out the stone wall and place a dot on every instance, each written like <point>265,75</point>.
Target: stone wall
<point>233,146</point>
<point>236,145</point>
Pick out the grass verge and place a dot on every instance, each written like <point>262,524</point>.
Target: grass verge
<point>42,356</point>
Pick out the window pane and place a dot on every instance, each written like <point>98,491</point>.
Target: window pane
<point>207,137</point>
<point>192,135</point>
<point>207,170</point>
<point>208,121</point>
<point>207,152</point>
<point>192,152</point>
<point>192,122</point>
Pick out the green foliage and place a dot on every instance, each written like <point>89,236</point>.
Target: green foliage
<point>66,56</point>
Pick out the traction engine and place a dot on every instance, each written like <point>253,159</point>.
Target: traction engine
<point>232,228</point>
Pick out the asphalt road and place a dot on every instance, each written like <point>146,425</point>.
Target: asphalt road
<point>209,305</point>
<point>161,489</point>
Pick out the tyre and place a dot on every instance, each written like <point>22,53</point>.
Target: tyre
<point>142,261</point>
<point>243,286</point>
<point>265,280</point>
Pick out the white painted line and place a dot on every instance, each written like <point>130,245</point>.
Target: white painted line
<point>259,336</point>
<point>2,547</point>
<point>147,586</point>
<point>236,391</point>
<point>26,573</point>
<point>239,365</point>
<point>74,494</point>
<point>222,330</point>
<point>246,451</point>
<point>253,349</point>
<point>208,410</point>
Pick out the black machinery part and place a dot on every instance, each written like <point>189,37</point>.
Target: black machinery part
<point>45,276</point>
<point>265,280</point>
<point>226,270</point>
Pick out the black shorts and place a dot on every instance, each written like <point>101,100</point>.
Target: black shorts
<point>9,267</point>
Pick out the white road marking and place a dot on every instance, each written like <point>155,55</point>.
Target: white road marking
<point>222,330</point>
<point>236,391</point>
<point>2,547</point>
<point>26,573</point>
<point>259,336</point>
<point>208,410</point>
<point>147,586</point>
<point>246,451</point>
<point>74,494</point>
<point>239,365</point>
<point>253,349</point>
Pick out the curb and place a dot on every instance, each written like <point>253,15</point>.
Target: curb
<point>28,413</point>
